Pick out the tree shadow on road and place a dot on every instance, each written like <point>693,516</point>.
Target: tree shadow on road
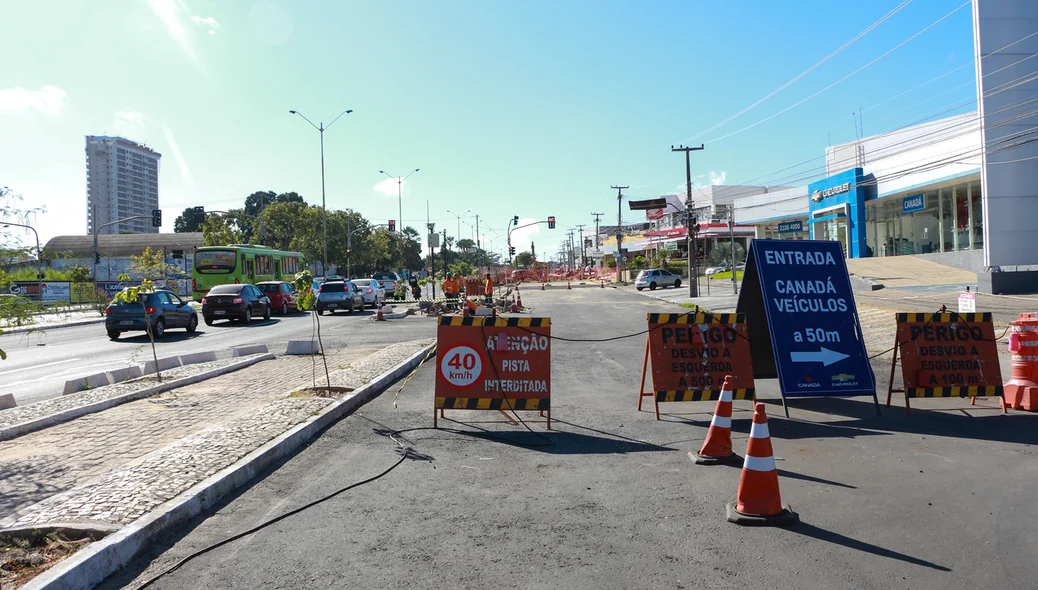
<point>556,442</point>
<point>814,532</point>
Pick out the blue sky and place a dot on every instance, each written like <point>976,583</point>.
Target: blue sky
<point>509,108</point>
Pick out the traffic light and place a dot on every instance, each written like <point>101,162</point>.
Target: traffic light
<point>551,222</point>
<point>515,220</point>
<point>156,218</point>
<point>511,250</point>
<point>392,225</point>
<point>200,211</point>
<point>97,258</point>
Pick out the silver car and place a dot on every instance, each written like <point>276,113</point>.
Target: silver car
<point>656,277</point>
<point>371,290</point>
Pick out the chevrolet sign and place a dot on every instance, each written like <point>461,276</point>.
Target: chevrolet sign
<point>835,190</point>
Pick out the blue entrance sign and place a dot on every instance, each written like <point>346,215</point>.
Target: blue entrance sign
<point>913,204</point>
<point>816,344</point>
<point>790,227</point>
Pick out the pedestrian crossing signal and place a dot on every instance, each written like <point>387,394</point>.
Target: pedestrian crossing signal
<point>392,225</point>
<point>551,222</point>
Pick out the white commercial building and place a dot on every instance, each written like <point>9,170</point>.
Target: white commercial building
<point>122,181</point>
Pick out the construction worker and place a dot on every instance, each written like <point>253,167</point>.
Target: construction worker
<point>450,289</point>
<point>488,289</point>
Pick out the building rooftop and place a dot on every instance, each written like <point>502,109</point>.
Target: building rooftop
<point>123,244</point>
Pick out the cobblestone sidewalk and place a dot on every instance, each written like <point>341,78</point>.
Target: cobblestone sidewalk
<point>226,421</point>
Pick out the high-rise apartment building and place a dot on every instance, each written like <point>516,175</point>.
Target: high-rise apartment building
<point>122,181</point>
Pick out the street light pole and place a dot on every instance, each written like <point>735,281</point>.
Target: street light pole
<point>324,206</point>
<point>39,256</point>
<point>458,217</point>
<point>400,205</point>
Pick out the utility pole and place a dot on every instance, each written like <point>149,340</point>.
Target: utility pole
<point>731,246</point>
<point>597,215</point>
<point>443,248</point>
<point>620,233</point>
<point>583,251</point>
<point>690,221</point>
<point>432,259</point>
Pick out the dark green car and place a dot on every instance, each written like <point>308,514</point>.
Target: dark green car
<point>162,309</point>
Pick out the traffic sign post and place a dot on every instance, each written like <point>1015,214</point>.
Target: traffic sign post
<point>493,363</point>
<point>803,322</point>
<point>946,355</point>
<point>691,355</point>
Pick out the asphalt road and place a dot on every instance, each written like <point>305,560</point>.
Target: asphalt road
<point>38,364</point>
<point>610,499</point>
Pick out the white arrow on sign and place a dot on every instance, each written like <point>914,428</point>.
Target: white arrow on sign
<point>824,356</point>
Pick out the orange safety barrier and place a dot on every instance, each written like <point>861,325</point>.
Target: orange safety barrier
<point>757,501</point>
<point>1021,392</point>
<point>946,355</point>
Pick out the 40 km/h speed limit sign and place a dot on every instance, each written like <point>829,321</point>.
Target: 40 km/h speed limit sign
<point>461,366</point>
<point>488,363</point>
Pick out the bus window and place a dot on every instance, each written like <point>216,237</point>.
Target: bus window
<point>215,261</point>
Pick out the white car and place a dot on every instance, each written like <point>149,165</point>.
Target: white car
<point>656,277</point>
<point>371,290</point>
<point>713,270</point>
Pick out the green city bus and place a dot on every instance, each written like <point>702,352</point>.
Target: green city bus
<point>241,263</point>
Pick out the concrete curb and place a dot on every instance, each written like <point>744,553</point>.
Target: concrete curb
<point>71,414</point>
<point>22,329</point>
<point>93,565</point>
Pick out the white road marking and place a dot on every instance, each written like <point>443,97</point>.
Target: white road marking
<point>39,366</point>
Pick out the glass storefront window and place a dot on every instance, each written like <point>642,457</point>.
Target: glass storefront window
<point>978,218</point>
<point>962,218</point>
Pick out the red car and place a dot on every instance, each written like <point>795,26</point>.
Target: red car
<point>282,297</point>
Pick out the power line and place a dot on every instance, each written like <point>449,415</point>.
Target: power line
<point>869,29</point>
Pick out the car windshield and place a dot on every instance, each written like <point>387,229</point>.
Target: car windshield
<point>268,287</point>
<point>643,273</point>
<point>333,288</point>
<point>384,276</point>
<point>226,290</point>
<point>362,283</point>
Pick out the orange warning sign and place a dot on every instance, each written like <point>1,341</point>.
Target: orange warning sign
<point>691,353</point>
<point>946,355</point>
<point>493,363</point>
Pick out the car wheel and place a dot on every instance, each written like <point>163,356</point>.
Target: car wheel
<point>677,283</point>
<point>320,312</point>
<point>159,328</point>
<point>639,288</point>
<point>192,324</point>
<point>114,334</point>
<point>266,313</point>
<point>208,320</point>
<point>284,308</point>
<point>652,286</point>
<point>248,315</point>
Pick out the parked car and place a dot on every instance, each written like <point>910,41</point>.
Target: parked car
<point>713,270</point>
<point>336,295</point>
<point>160,309</point>
<point>388,280</point>
<point>371,290</point>
<point>234,302</point>
<point>281,294</point>
<point>656,277</point>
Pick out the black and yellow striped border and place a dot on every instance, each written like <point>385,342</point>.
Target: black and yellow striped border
<point>701,395</point>
<point>942,318</point>
<point>482,403</point>
<point>696,318</point>
<point>985,391</point>
<point>491,322</point>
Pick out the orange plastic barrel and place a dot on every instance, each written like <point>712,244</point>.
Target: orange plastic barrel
<point>1021,391</point>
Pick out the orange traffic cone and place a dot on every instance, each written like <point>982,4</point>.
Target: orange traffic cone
<point>758,501</point>
<point>518,300</point>
<point>515,308</point>
<point>717,449</point>
<point>568,286</point>
<point>380,317</point>
<point>542,286</point>
<point>603,284</point>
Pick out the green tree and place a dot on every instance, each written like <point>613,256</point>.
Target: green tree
<point>524,259</point>
<point>259,200</point>
<point>722,252</point>
<point>188,221</point>
<point>219,231</point>
<point>466,244</point>
<point>412,249</point>
<point>78,274</point>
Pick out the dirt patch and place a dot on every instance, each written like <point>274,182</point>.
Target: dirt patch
<point>25,556</point>
<point>329,392</point>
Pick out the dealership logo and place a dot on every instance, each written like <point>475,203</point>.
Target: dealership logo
<point>843,377</point>
<point>835,190</point>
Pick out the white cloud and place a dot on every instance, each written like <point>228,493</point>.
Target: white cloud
<point>387,187</point>
<point>48,100</point>
<point>208,22</point>
<point>178,157</point>
<point>129,123</point>
<point>522,237</point>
